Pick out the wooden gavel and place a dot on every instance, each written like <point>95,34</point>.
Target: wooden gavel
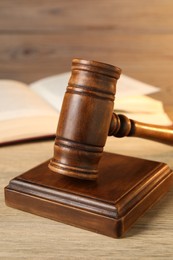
<point>87,118</point>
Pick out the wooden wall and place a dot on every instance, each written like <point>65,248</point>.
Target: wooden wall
<point>39,38</point>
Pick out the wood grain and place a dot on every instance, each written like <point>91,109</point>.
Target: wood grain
<point>39,38</point>
<point>42,15</point>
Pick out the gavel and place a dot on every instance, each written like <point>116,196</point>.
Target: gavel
<point>87,118</point>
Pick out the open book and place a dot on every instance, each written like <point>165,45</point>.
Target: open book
<point>31,112</point>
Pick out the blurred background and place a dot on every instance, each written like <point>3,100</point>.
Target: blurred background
<point>39,38</point>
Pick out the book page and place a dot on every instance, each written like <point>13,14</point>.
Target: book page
<point>129,87</point>
<point>142,108</point>
<point>52,89</point>
<point>18,101</point>
<point>27,128</point>
<point>23,113</point>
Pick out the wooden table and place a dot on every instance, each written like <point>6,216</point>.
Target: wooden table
<point>26,236</point>
<point>39,38</point>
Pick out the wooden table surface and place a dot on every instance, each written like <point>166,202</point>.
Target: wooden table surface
<point>38,38</point>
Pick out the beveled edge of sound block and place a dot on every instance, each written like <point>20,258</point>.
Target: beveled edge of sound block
<point>108,206</point>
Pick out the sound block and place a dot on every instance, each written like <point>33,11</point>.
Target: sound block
<point>125,189</point>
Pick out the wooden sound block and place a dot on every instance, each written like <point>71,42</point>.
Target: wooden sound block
<point>125,189</point>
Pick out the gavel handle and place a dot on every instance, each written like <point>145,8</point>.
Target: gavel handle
<point>123,126</point>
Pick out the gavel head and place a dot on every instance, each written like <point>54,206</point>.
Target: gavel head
<point>84,119</point>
